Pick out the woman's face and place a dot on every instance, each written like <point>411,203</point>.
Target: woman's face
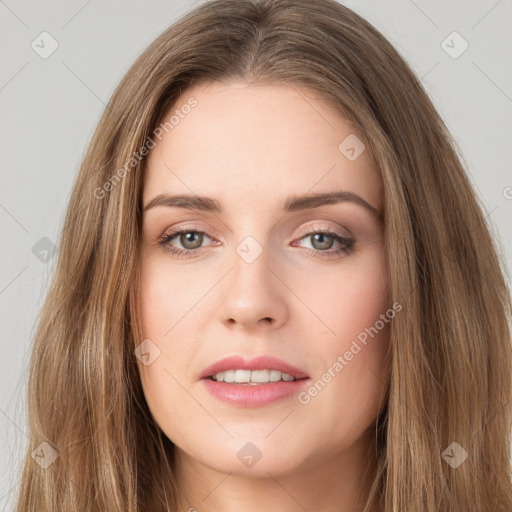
<point>263,271</point>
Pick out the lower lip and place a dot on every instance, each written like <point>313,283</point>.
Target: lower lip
<point>248,395</point>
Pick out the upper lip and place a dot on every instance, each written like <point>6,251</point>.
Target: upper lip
<point>258,363</point>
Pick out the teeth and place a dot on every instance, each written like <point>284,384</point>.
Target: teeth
<point>252,377</point>
<point>242,375</point>
<point>260,376</point>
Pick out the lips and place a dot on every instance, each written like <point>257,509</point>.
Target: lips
<point>258,363</point>
<point>251,394</point>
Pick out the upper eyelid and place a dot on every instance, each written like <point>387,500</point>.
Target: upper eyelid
<point>302,232</point>
<point>316,228</point>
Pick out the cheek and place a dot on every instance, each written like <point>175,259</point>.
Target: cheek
<point>349,298</point>
<point>166,296</point>
<point>345,395</point>
<point>170,404</point>
<point>350,356</point>
<point>155,315</point>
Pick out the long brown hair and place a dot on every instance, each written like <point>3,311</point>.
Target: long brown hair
<point>450,378</point>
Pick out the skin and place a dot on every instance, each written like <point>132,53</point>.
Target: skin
<point>249,147</point>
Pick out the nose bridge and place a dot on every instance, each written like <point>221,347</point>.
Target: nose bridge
<point>252,242</point>
<point>251,263</point>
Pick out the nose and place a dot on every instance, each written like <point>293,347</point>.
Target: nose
<point>254,294</point>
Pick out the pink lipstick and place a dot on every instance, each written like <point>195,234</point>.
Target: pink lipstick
<point>252,383</point>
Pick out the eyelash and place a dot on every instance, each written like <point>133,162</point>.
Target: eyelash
<point>346,248</point>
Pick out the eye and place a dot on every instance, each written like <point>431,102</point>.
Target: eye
<point>191,241</point>
<point>323,240</point>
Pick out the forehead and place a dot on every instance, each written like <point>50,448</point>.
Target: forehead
<point>257,141</point>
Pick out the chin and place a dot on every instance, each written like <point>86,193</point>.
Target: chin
<point>263,468</point>
<point>248,455</point>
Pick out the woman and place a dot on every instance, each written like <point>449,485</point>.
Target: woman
<point>276,289</point>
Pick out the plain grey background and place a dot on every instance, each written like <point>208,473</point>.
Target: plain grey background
<point>50,105</point>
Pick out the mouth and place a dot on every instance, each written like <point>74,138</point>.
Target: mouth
<point>254,383</point>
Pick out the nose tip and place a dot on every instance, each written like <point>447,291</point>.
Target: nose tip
<point>253,296</point>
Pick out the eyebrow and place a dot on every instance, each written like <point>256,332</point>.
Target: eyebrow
<point>293,203</point>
